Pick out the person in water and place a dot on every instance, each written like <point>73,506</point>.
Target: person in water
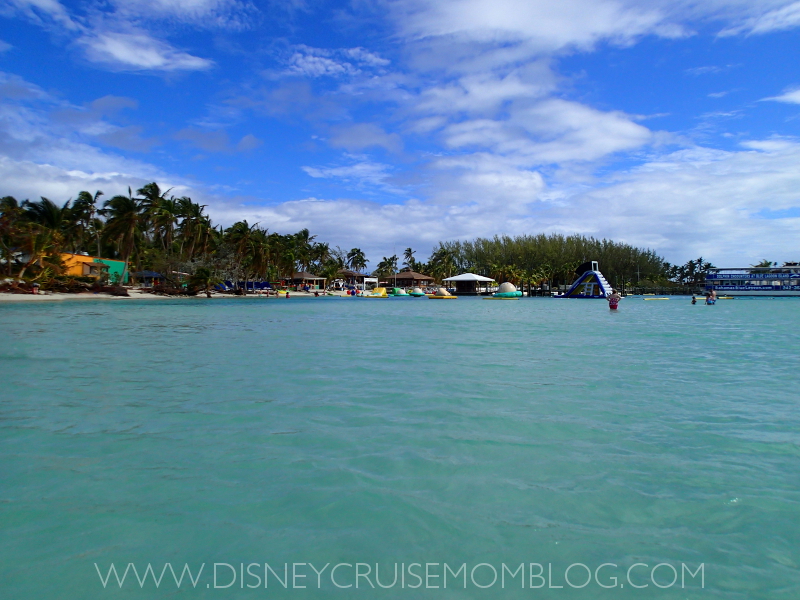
<point>694,299</point>
<point>613,300</point>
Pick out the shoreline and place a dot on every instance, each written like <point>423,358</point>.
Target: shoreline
<point>135,294</point>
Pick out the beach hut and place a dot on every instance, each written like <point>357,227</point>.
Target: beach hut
<point>409,279</point>
<point>148,278</point>
<point>351,278</point>
<point>83,265</point>
<point>470,284</point>
<point>305,278</point>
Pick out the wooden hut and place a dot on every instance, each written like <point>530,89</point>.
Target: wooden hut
<point>305,278</point>
<point>409,279</point>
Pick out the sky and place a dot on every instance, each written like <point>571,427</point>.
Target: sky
<point>672,125</point>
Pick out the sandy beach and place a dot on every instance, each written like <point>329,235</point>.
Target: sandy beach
<point>55,296</point>
<point>139,295</point>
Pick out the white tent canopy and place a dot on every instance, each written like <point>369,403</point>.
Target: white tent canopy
<point>469,277</point>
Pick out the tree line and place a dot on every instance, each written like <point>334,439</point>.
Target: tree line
<point>174,236</point>
<point>546,259</point>
<point>153,230</point>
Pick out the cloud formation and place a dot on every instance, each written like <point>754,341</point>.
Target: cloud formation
<point>791,96</point>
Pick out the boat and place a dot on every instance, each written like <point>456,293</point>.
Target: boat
<point>378,292</point>
<point>754,281</point>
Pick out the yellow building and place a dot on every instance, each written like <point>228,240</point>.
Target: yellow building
<point>80,265</point>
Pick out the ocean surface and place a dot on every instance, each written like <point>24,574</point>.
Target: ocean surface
<point>658,447</point>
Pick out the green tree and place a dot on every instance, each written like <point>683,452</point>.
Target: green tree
<point>84,214</point>
<point>125,219</point>
<point>356,260</point>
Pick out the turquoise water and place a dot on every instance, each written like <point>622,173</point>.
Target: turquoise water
<point>400,431</point>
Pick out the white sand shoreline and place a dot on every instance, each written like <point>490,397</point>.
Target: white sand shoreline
<point>137,294</point>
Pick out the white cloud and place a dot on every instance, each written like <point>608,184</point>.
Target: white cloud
<point>318,62</point>
<point>310,65</point>
<point>4,46</point>
<point>790,97</point>
<point>777,19</point>
<point>203,13</point>
<point>360,173</point>
<point>139,52</point>
<point>542,25</point>
<point>44,12</point>
<point>699,202</point>
<point>365,57</point>
<point>111,39</point>
<point>552,131</point>
<point>485,92</point>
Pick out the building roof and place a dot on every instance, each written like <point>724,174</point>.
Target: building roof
<point>147,274</point>
<point>410,275</point>
<point>305,275</point>
<point>349,273</point>
<point>88,257</point>
<point>469,277</point>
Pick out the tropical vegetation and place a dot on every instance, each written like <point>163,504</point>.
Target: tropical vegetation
<point>156,231</point>
<point>151,229</point>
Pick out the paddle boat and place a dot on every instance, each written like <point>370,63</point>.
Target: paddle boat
<point>417,293</point>
<point>378,292</point>
<point>442,294</point>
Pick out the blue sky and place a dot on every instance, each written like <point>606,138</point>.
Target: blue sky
<point>672,125</point>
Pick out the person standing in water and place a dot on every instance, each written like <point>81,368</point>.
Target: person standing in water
<point>613,300</point>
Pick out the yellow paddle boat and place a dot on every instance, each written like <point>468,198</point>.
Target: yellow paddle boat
<point>378,292</point>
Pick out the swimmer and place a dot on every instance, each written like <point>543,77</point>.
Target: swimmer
<point>613,300</point>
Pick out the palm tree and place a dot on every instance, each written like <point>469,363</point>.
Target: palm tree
<point>410,262</point>
<point>10,218</point>
<point>303,245</point>
<point>84,211</point>
<point>194,226</point>
<point>36,243</point>
<point>164,217</point>
<point>356,260</point>
<point>52,216</point>
<point>125,218</point>
<point>240,236</point>
<point>388,266</point>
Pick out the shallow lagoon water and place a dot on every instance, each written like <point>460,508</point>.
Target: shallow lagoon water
<point>399,431</point>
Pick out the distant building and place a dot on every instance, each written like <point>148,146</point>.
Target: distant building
<point>409,279</point>
<point>470,284</point>
<point>305,278</point>
<point>148,278</point>
<point>82,265</point>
